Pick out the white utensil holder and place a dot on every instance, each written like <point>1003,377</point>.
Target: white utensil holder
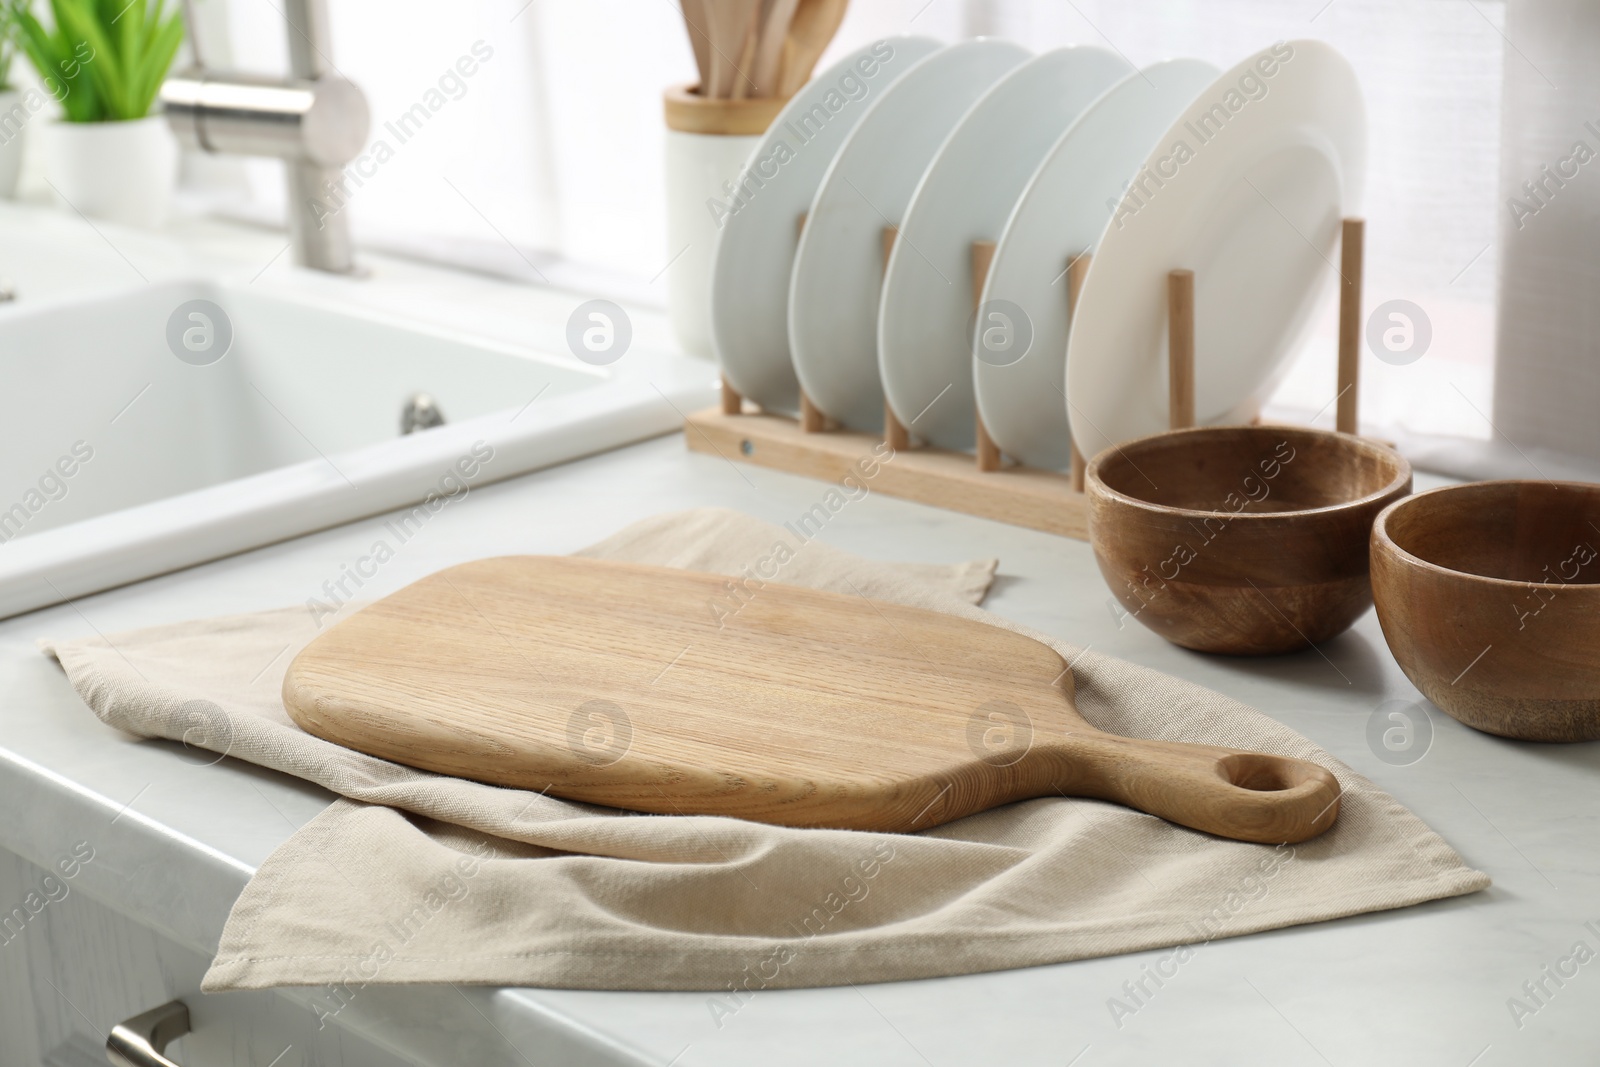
<point>708,142</point>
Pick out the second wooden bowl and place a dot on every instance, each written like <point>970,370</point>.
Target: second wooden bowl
<point>1247,540</point>
<point>1489,597</point>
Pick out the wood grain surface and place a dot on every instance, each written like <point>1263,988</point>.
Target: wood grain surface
<point>1489,597</point>
<point>1022,496</point>
<point>1352,241</point>
<point>687,111</point>
<point>1180,349</point>
<point>1247,540</point>
<point>677,692</point>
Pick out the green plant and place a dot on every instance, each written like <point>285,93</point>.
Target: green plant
<point>103,59</point>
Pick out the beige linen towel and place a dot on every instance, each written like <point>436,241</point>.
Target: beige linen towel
<point>422,878</point>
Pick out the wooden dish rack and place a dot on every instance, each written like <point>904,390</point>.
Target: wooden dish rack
<point>987,484</point>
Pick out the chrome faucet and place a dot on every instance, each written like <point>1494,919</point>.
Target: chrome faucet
<point>315,121</point>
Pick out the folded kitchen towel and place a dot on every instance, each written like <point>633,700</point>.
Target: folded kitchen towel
<point>417,877</point>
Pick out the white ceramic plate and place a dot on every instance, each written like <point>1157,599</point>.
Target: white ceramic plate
<point>756,245</point>
<point>1254,178</point>
<point>924,341</point>
<point>838,271</point>
<point>1060,215</point>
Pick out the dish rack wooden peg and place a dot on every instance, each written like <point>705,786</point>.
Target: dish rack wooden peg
<point>989,457</point>
<point>986,483</point>
<point>895,432</point>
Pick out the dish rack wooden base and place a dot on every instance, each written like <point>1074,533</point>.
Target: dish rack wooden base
<point>1021,496</point>
<point>986,484</point>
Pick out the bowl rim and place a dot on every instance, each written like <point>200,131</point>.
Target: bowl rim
<point>1401,481</point>
<point>1380,533</point>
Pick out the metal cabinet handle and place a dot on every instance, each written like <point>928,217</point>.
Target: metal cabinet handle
<point>141,1040</point>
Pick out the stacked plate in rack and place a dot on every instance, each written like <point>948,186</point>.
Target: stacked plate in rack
<point>901,238</point>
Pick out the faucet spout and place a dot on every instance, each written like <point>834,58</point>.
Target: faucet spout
<point>315,120</point>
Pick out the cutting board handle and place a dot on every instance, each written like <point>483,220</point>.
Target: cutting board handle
<point>1247,796</point>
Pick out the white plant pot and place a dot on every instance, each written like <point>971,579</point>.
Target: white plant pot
<point>119,171</point>
<point>708,142</point>
<point>14,117</point>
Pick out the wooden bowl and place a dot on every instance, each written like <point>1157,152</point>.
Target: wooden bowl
<point>1248,540</point>
<point>1489,597</point>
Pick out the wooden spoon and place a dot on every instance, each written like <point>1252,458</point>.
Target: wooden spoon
<point>744,85</point>
<point>776,18</point>
<point>731,23</point>
<point>815,22</point>
<point>678,692</point>
<point>697,22</point>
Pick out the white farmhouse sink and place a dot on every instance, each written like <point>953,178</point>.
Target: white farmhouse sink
<point>119,460</point>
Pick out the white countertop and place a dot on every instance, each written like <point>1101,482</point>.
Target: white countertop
<point>1424,985</point>
<point>176,839</point>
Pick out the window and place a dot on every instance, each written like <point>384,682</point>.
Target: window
<point>554,144</point>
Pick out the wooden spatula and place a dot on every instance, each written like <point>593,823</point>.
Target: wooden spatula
<point>731,23</point>
<point>698,24</point>
<point>774,31</point>
<point>677,692</point>
<point>811,30</point>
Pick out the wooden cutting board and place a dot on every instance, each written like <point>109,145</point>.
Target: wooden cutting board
<point>677,692</point>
